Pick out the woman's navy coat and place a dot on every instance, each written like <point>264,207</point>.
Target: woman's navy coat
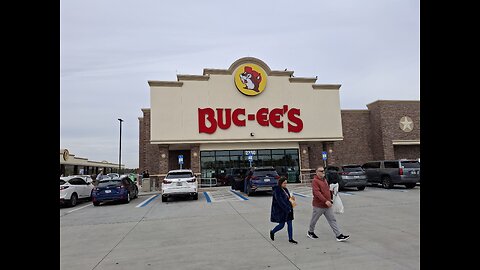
<point>280,206</point>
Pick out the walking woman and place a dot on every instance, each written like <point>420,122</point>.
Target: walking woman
<point>282,210</point>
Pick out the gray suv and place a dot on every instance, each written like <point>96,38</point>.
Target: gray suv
<point>393,172</point>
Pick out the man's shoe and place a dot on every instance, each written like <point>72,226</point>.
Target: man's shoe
<point>293,241</point>
<point>342,237</point>
<point>312,235</point>
<point>272,236</point>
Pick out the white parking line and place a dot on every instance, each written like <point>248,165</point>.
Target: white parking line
<point>79,208</point>
<point>211,197</point>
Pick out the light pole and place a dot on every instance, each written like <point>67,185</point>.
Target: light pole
<point>120,150</point>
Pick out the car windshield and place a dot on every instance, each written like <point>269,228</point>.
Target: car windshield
<point>352,168</point>
<point>110,182</point>
<point>411,164</point>
<point>173,175</point>
<point>265,172</point>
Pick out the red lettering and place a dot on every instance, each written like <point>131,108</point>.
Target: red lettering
<point>208,123</point>
<point>262,117</point>
<point>274,118</point>
<point>228,118</point>
<point>292,116</point>
<point>203,115</point>
<point>237,122</point>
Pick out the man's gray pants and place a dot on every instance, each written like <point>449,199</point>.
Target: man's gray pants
<point>328,212</point>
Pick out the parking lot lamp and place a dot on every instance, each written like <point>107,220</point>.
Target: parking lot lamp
<point>120,148</point>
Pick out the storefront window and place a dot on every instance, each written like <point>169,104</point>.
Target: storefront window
<point>217,163</point>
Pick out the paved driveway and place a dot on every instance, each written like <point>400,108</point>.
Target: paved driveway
<point>222,230</point>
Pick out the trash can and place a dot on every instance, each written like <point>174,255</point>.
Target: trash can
<point>292,177</point>
<point>146,185</point>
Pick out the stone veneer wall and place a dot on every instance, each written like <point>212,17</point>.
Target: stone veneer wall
<point>356,145</point>
<point>368,135</point>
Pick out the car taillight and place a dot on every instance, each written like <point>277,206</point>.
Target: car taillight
<point>167,182</point>
<point>400,171</point>
<point>192,180</point>
<point>277,177</point>
<point>64,187</point>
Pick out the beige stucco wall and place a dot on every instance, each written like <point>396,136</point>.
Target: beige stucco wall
<point>72,160</point>
<point>174,111</point>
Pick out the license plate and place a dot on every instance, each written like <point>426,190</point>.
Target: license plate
<point>108,191</point>
<point>266,180</point>
<point>356,176</point>
<point>179,183</point>
<point>414,172</point>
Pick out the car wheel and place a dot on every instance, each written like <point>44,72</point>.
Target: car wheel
<point>136,193</point>
<point>387,182</point>
<point>164,199</point>
<point>73,199</point>
<point>411,185</point>
<point>361,188</point>
<point>195,197</point>
<point>96,203</point>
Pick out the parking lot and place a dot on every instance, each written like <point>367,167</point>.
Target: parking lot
<point>229,230</point>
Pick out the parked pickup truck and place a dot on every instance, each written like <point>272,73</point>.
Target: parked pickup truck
<point>393,172</point>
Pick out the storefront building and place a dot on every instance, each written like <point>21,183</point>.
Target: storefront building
<point>73,165</point>
<point>218,119</point>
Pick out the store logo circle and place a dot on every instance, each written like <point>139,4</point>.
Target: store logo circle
<point>250,79</point>
<point>66,154</point>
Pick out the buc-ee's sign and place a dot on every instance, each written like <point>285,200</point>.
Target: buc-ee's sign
<point>209,119</point>
<point>250,79</point>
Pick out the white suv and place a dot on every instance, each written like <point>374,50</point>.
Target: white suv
<point>179,183</point>
<point>74,188</point>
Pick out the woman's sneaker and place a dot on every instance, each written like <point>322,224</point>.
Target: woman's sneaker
<point>272,236</point>
<point>293,241</point>
<point>342,237</point>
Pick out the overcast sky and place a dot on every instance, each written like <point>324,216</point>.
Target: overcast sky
<point>111,48</point>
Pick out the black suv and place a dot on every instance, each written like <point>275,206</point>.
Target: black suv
<point>393,172</point>
<point>260,178</point>
<point>346,176</point>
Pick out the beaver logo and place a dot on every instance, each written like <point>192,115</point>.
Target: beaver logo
<point>250,79</point>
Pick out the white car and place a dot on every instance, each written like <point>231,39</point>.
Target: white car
<point>113,175</point>
<point>74,188</point>
<point>87,178</point>
<point>179,183</point>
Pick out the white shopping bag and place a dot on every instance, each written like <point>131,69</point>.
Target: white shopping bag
<point>334,188</point>
<point>337,204</point>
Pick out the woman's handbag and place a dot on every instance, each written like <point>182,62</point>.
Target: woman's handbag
<point>292,201</point>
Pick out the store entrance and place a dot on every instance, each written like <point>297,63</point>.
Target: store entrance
<point>231,165</point>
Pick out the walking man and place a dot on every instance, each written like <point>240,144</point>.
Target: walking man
<point>322,205</point>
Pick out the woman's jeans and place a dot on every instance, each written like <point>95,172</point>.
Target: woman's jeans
<point>289,229</point>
